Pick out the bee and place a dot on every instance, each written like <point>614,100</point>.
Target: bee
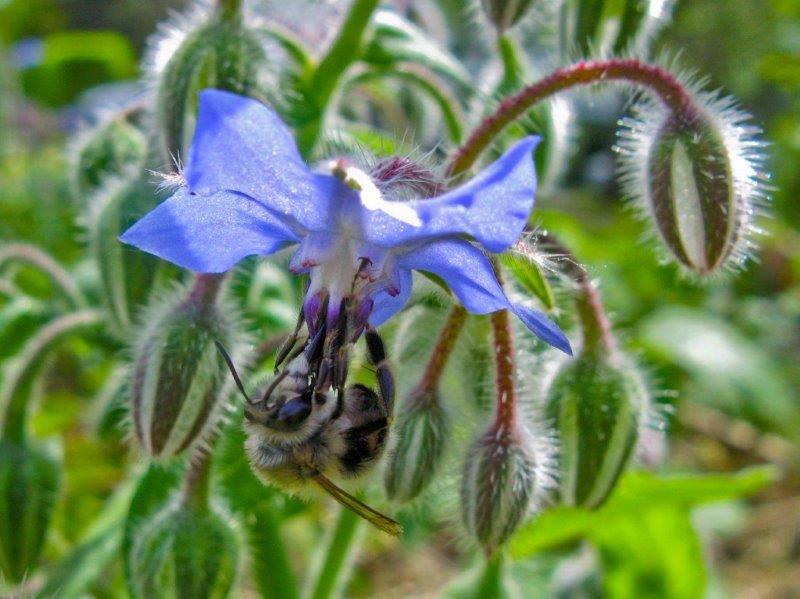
<point>308,427</point>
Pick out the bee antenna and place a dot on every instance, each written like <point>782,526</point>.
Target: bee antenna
<point>227,357</point>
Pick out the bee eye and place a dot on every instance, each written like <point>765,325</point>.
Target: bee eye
<point>294,412</point>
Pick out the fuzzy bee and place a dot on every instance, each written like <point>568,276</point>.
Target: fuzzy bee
<point>309,428</point>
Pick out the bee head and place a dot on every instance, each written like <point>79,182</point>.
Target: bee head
<point>289,418</point>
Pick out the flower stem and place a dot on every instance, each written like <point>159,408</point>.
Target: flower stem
<point>506,406</point>
<point>337,555</point>
<point>596,327</point>
<point>442,350</point>
<point>655,78</point>
<point>275,579</point>
<point>229,9</point>
<point>197,482</point>
<point>205,289</point>
<point>342,53</point>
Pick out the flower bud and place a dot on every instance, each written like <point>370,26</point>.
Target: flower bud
<point>179,382</point>
<point>421,431</point>
<point>596,402</point>
<point>504,14</point>
<point>215,51</point>
<point>107,150</point>
<point>126,275</point>
<point>183,552</point>
<point>497,485</point>
<point>30,477</point>
<point>697,177</point>
<point>610,27</point>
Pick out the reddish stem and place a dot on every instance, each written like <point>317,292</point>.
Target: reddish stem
<point>205,289</point>
<point>506,407</point>
<point>441,352</point>
<point>596,327</point>
<point>655,78</point>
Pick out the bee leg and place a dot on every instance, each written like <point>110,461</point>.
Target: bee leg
<point>288,344</point>
<point>376,354</point>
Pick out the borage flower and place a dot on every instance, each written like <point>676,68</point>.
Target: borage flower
<point>247,191</point>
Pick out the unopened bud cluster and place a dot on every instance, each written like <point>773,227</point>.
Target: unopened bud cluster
<point>696,174</point>
<point>179,377</point>
<point>421,433</point>
<point>183,551</point>
<point>497,485</point>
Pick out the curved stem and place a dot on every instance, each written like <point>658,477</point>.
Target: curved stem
<point>596,327</point>
<point>337,555</point>
<point>655,78</point>
<point>443,349</point>
<point>34,256</point>
<point>16,391</point>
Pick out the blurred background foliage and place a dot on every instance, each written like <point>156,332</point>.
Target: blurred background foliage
<point>727,354</point>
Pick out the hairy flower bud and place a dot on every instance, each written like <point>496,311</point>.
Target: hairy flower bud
<point>204,51</point>
<point>610,27</point>
<point>106,150</point>
<point>183,552</point>
<point>421,431</point>
<point>179,382</point>
<point>498,484</point>
<point>697,177</point>
<point>504,14</point>
<point>126,276</point>
<point>596,402</point>
<point>30,477</point>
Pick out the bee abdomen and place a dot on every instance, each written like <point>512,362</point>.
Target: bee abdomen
<point>364,444</point>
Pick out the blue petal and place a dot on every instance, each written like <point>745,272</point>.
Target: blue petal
<point>209,233</point>
<point>387,305</point>
<point>493,207</point>
<point>471,277</point>
<point>241,145</point>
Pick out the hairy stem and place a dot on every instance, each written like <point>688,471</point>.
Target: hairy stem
<point>275,580</point>
<point>229,9</point>
<point>205,289</point>
<point>196,484</point>
<point>443,349</point>
<point>506,406</point>
<point>333,570</point>
<point>595,325</point>
<point>652,77</point>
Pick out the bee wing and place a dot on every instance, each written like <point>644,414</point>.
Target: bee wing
<point>384,523</point>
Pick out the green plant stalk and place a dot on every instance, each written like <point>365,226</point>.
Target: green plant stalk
<point>265,540</point>
<point>333,570</point>
<point>490,583</point>
<point>229,9</point>
<point>16,391</point>
<point>342,53</point>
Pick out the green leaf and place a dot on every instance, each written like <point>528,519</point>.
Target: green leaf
<point>530,276</point>
<point>737,374</point>
<point>73,61</point>
<point>394,39</point>
<point>637,492</point>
